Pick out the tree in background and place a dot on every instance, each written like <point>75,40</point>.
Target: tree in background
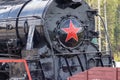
<point>117,33</point>
<point>110,8</point>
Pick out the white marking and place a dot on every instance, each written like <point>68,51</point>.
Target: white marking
<point>30,38</point>
<point>117,64</point>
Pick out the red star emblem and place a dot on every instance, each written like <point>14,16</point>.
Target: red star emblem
<point>71,32</point>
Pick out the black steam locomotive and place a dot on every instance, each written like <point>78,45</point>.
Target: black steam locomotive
<point>57,35</point>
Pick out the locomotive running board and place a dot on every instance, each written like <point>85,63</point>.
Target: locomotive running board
<point>18,61</point>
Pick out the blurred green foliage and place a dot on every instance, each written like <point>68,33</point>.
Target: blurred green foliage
<point>113,23</point>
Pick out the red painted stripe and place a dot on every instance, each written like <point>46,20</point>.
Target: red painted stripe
<point>27,69</point>
<point>18,61</point>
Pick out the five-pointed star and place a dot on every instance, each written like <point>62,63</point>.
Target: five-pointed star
<point>71,32</point>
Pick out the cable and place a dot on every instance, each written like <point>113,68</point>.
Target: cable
<point>106,32</point>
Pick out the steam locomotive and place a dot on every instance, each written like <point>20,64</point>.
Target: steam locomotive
<point>56,34</point>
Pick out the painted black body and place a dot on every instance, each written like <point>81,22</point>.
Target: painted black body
<point>57,59</point>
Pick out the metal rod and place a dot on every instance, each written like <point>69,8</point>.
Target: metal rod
<point>80,63</point>
<point>101,62</point>
<point>78,53</point>
<point>85,57</point>
<point>43,75</point>
<point>14,19</point>
<point>98,59</point>
<point>68,66</point>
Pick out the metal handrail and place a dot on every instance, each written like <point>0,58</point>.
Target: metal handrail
<point>14,19</point>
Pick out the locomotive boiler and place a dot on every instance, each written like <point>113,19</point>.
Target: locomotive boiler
<point>58,34</point>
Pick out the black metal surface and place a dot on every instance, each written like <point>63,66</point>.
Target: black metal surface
<point>40,65</point>
<point>68,66</point>
<point>58,58</point>
<point>81,65</point>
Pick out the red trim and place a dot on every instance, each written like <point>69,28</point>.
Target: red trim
<point>27,69</point>
<point>18,61</point>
